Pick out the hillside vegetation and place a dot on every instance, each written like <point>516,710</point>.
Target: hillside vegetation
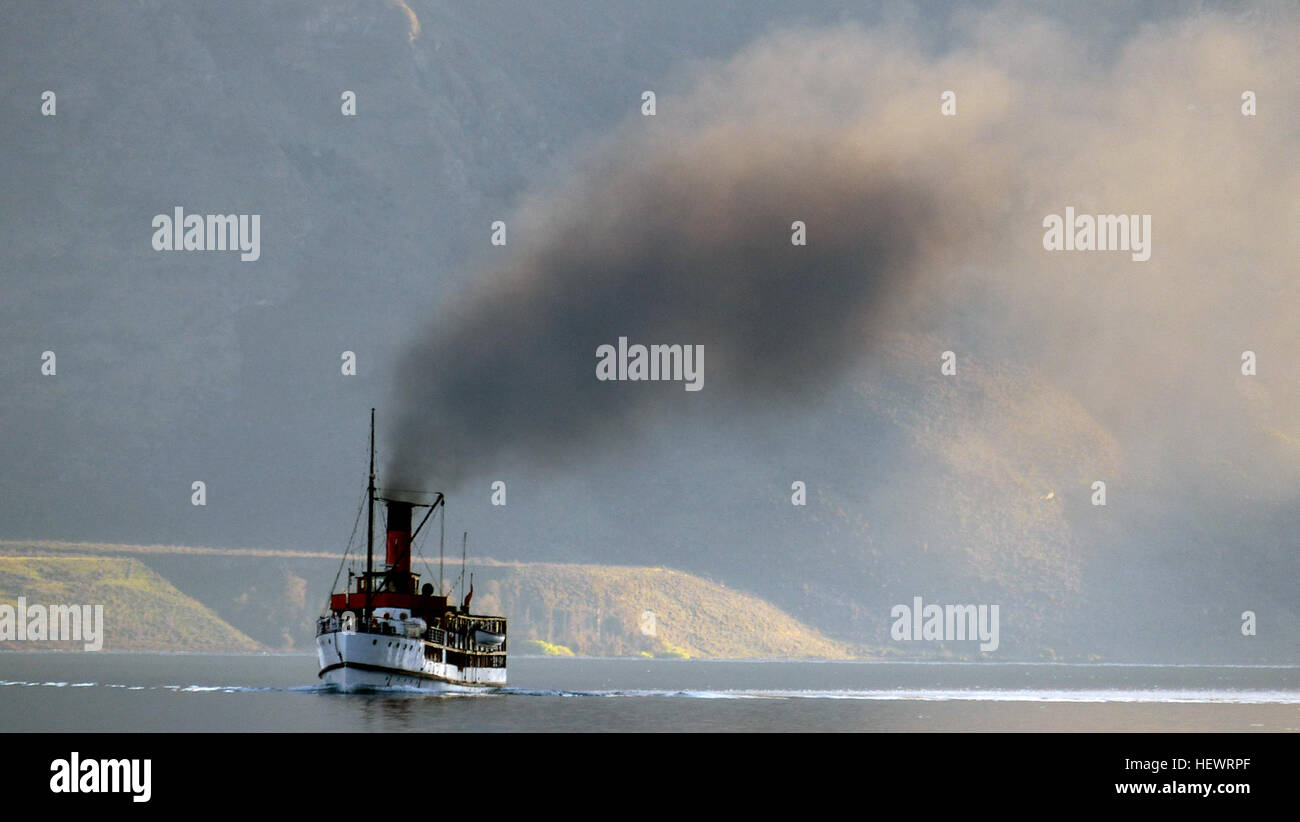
<point>142,611</point>
<point>622,611</point>
<point>588,609</point>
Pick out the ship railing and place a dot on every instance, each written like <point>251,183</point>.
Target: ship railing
<point>379,626</point>
<point>383,627</point>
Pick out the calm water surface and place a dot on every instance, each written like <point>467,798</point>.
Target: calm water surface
<point>194,692</point>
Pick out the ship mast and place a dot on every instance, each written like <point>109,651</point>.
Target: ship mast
<point>370,522</point>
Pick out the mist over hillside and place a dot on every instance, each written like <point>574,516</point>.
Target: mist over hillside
<point>176,367</point>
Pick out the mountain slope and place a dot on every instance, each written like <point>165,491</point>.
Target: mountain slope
<point>589,609</point>
<point>142,611</point>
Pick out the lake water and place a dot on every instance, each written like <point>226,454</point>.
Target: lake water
<point>192,692</point>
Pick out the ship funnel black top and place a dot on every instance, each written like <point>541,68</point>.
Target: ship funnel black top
<point>398,548</point>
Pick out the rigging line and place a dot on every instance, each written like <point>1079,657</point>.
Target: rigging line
<point>356,522</point>
<point>352,537</point>
<point>463,562</point>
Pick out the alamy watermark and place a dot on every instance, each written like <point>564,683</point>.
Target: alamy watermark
<point>77,775</point>
<point>53,623</point>
<point>653,362</point>
<point>209,232</point>
<point>946,623</point>
<point>1102,232</point>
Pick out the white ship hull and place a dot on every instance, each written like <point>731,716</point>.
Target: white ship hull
<point>364,661</point>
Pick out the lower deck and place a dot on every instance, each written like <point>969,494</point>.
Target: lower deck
<point>349,659</point>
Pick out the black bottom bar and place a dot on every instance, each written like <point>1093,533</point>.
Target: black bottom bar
<point>323,773</point>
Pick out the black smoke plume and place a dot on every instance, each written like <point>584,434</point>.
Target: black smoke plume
<point>684,239</point>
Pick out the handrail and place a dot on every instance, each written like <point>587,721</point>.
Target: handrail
<point>438,636</point>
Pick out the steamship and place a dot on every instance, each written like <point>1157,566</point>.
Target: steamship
<point>386,630</point>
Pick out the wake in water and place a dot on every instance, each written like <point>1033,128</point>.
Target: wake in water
<point>1188,696</point>
<point>183,689</point>
<point>925,695</point>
